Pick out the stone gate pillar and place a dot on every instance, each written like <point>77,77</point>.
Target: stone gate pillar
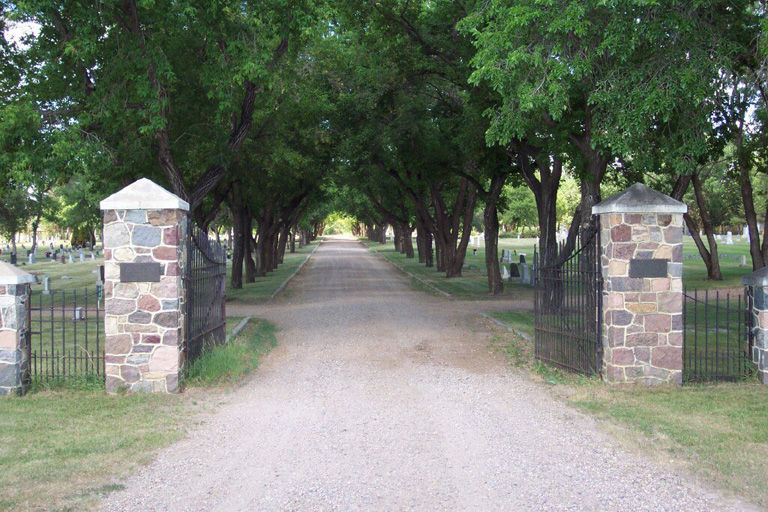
<point>144,228</point>
<point>14,295</point>
<point>758,281</point>
<point>642,265</point>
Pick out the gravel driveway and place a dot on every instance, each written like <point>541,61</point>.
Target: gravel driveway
<point>381,398</point>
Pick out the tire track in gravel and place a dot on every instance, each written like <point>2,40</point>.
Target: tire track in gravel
<point>379,397</point>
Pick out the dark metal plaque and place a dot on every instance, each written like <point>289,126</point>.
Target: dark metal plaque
<point>139,272</point>
<point>648,268</point>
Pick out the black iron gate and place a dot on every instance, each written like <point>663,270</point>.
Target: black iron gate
<point>718,336</point>
<point>204,285</point>
<point>568,306</point>
<point>65,336</point>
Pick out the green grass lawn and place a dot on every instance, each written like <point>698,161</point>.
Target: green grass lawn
<point>232,322</point>
<point>473,283</point>
<point>61,450</point>
<point>717,432</point>
<point>81,274</point>
<point>264,287</point>
<point>64,449</point>
<point>695,272</point>
<point>229,363</point>
<point>522,320</point>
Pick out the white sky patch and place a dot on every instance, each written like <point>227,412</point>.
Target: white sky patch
<point>16,32</point>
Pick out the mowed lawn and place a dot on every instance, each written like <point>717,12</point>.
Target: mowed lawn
<point>64,449</point>
<point>473,283</point>
<point>264,287</point>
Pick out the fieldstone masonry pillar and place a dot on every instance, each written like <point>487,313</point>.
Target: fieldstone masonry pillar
<point>642,255</point>
<point>758,281</point>
<point>144,227</point>
<point>14,295</point>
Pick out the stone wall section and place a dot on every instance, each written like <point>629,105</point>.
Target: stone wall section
<point>144,321</point>
<point>760,330</point>
<point>14,363</point>
<point>642,317</point>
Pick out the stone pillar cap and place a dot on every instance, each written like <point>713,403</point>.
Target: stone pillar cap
<point>756,278</point>
<point>639,199</point>
<point>13,275</point>
<point>144,194</point>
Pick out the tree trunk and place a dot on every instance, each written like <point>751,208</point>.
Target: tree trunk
<point>491,233</point>
<point>748,200</point>
<point>590,196</point>
<point>35,225</point>
<point>429,259</point>
<point>713,265</point>
<point>449,227</point>
<point>293,240</point>
<point>407,242</point>
<point>420,242</point>
<point>284,234</point>
<point>236,280</point>
<point>397,236</point>
<point>275,249</point>
<point>250,265</point>
<point>678,191</point>
<point>544,186</point>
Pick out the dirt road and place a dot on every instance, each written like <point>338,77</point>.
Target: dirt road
<point>381,398</point>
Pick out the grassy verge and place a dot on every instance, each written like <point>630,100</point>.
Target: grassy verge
<point>264,287</point>
<point>472,285</point>
<point>231,362</point>
<point>232,322</point>
<point>716,432</point>
<point>521,320</point>
<point>65,448</point>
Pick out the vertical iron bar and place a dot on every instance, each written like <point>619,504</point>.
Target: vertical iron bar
<point>74,330</point>
<point>707,363</point>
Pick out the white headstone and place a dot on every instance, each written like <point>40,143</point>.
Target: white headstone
<point>743,261</point>
<point>31,258</point>
<point>504,272</point>
<point>82,257</point>
<point>729,238</point>
<point>46,285</point>
<point>71,258</point>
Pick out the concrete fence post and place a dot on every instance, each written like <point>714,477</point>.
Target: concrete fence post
<point>758,281</point>
<point>642,266</point>
<point>144,256</point>
<point>14,352</point>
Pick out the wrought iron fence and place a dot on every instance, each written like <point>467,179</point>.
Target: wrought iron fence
<point>568,307</point>
<point>204,284</point>
<point>717,336</point>
<point>65,335</point>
